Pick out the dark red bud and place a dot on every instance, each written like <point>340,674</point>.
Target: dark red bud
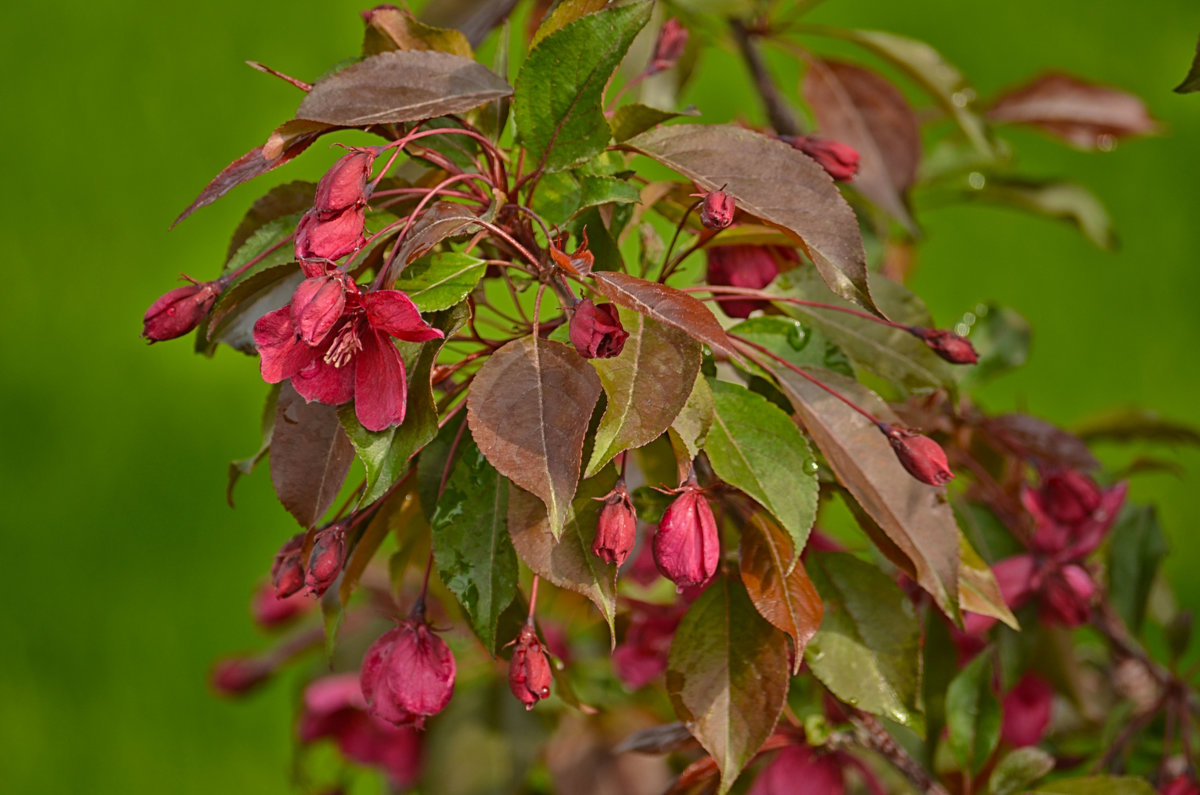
<point>752,267</point>
<point>686,546</point>
<point>344,185</point>
<point>239,675</point>
<point>952,347</point>
<point>616,530</point>
<point>287,574</point>
<point>179,311</point>
<point>331,238</point>
<point>317,306</point>
<point>717,210</point>
<point>1183,784</point>
<point>325,561</point>
<point>529,675</point>
<point>596,331</point>
<point>671,42</point>
<point>924,458</point>
<point>839,160</point>
<point>408,674</point>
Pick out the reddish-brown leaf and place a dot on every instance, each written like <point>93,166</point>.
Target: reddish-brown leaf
<point>789,601</point>
<point>310,456</point>
<point>780,185</point>
<point>440,221</point>
<point>859,108</point>
<point>406,85</point>
<point>1033,438</point>
<point>529,409</point>
<point>664,304</point>
<point>279,202</point>
<point>1083,114</point>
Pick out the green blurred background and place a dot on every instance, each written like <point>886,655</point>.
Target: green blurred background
<point>125,572</point>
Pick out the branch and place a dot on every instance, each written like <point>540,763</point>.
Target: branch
<point>780,115</point>
<point>869,733</point>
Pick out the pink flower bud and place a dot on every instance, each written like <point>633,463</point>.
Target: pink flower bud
<point>717,210</point>
<point>529,674</point>
<point>326,560</point>
<point>616,529</point>
<point>179,311</point>
<point>271,611</point>
<point>839,160</point>
<point>686,546</point>
<point>596,331</point>
<point>287,574</point>
<point>344,185</point>
<point>1027,711</point>
<point>331,238</point>
<point>239,675</point>
<point>741,266</point>
<point>317,306</point>
<point>924,458</point>
<point>671,42</point>
<point>408,674</point>
<point>950,346</point>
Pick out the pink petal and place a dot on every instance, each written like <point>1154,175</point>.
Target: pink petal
<point>331,693</point>
<point>1015,577</point>
<point>393,312</point>
<point>321,381</point>
<point>380,391</point>
<point>1027,711</point>
<point>317,305</point>
<point>796,770</point>
<point>1092,531</point>
<point>280,349</point>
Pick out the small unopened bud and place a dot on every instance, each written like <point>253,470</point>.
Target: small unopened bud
<point>332,238</point>
<point>1027,709</point>
<point>529,675</point>
<point>239,675</point>
<point>344,185</point>
<point>1070,497</point>
<point>924,458</point>
<point>686,546</point>
<point>325,561</point>
<point>752,267</point>
<point>616,530</point>
<point>596,331</point>
<point>839,160</point>
<point>671,42</point>
<point>317,306</point>
<point>952,347</point>
<point>179,311</point>
<point>408,674</point>
<point>287,574</point>
<point>717,210</point>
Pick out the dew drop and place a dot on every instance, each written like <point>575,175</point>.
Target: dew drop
<point>810,467</point>
<point>1106,142</point>
<point>976,180</point>
<point>962,329</point>
<point>969,319</point>
<point>982,310</point>
<point>960,99</point>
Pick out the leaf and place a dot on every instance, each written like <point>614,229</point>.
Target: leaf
<point>401,86</point>
<point>567,561</point>
<point>440,221</point>
<point>558,102</point>
<point>635,119</point>
<point>939,658</point>
<point>373,535</point>
<point>595,191</point>
<point>281,201</point>
<point>558,197</point>
<point>562,14</point>
<point>471,546</point>
<point>442,280</point>
<point>1058,199</point>
<point>757,448</point>
<point>788,600</point>
<point>1001,337</point>
<point>780,185</point>
<point>727,676</point>
<point>800,344</point>
<point>1083,114</point>
<point>858,107</point>
<point>528,409</point>
<point>867,651</point>
<point>1191,83</point>
<point>1096,785</point>
<point>663,304</point>
<point>973,714</point>
<point>1135,550</point>
<point>1134,424</point>
<point>246,465</point>
<point>1018,770</point>
<point>914,516</point>
<point>656,740</point>
<point>434,464</point>
<point>647,386</point>
<point>978,590</point>
<point>310,456</point>
<point>689,429</point>
<point>1031,437</point>
<point>390,28</point>
<point>237,310</point>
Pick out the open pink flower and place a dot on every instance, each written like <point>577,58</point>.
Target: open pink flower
<point>334,346</point>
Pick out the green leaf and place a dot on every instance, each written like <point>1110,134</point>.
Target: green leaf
<point>1018,770</point>
<point>563,13</point>
<point>635,119</point>
<point>727,676</point>
<point>291,199</point>
<point>1096,785</point>
<point>1191,83</point>
<point>246,465</point>
<point>800,344</point>
<point>940,666</point>
<point>978,590</point>
<point>559,93</point>
<point>1067,201</point>
<point>471,546</point>
<point>433,464</point>
<point>1136,548</point>
<point>757,448</point>
<point>689,430</point>
<point>1001,337</point>
<point>607,190</point>
<point>558,197</point>
<point>867,651</point>
<point>973,714</point>
<point>441,280</point>
<point>646,385</point>
<point>568,561</point>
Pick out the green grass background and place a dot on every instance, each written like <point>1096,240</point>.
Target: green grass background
<point>124,572</point>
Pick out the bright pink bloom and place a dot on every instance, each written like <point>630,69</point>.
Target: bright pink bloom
<point>529,675</point>
<point>952,347</point>
<point>839,160</point>
<point>408,674</point>
<point>180,310</point>
<point>752,267</point>
<point>351,357</point>
<point>616,529</point>
<point>671,42</point>
<point>686,546</point>
<point>1027,711</point>
<point>924,458</point>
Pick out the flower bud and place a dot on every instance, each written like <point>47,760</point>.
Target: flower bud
<point>344,185</point>
<point>741,266</point>
<point>179,311</point>
<point>952,347</point>
<point>287,574</point>
<point>596,331</point>
<point>408,674</point>
<point>331,238</point>
<point>271,611</point>
<point>924,458</point>
<point>616,529</point>
<point>317,306</point>
<point>839,160</point>
<point>686,546</point>
<point>672,39</point>
<point>717,210</point>
<point>326,559</point>
<point>239,675</point>
<point>1183,784</point>
<point>529,674</point>
<point>800,769</point>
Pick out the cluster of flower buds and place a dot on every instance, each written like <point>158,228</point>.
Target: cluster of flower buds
<point>839,160</point>
<point>529,674</point>
<point>334,226</point>
<point>924,458</point>
<point>616,529</point>
<point>596,330</point>
<point>290,572</point>
<point>687,548</point>
<point>408,673</point>
<point>180,310</point>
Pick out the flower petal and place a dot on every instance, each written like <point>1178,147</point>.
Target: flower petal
<point>324,383</point>
<point>280,349</point>
<point>380,391</point>
<point>317,305</point>
<point>393,312</point>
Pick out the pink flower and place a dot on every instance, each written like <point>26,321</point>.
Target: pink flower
<point>596,331</point>
<point>686,546</point>
<point>642,655</point>
<point>741,266</point>
<point>408,674</point>
<point>529,675</point>
<point>924,458</point>
<point>672,39</point>
<point>616,529</point>
<point>1027,711</point>
<point>801,770</point>
<point>351,357</point>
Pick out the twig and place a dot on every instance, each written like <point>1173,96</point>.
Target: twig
<point>779,114</point>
